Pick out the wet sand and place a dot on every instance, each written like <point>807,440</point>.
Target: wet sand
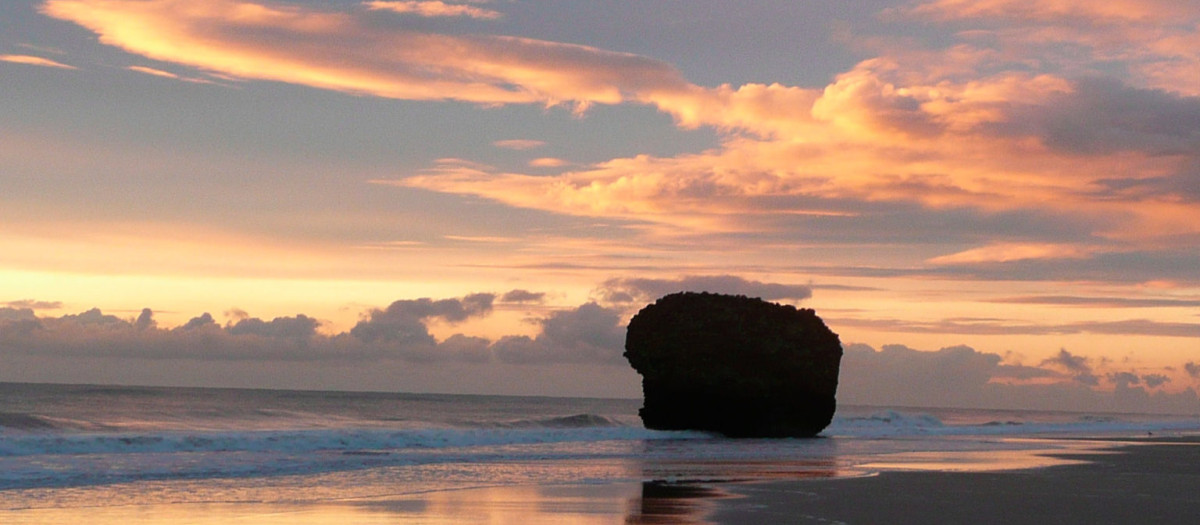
<point>1152,482</point>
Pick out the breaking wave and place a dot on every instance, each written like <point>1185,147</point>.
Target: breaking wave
<point>893,423</point>
<point>576,428</point>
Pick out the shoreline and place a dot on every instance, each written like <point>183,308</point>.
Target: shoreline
<point>1108,480</point>
<point>1138,480</point>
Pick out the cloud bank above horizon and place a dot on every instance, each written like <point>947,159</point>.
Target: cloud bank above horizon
<point>589,335</point>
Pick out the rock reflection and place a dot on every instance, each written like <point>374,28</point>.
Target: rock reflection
<point>671,503</point>
<point>687,492</point>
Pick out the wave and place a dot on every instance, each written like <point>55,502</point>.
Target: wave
<point>18,421</point>
<point>24,422</point>
<point>573,421</point>
<point>344,440</point>
<point>892,423</point>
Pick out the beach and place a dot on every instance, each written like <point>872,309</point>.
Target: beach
<point>1152,481</point>
<point>185,456</point>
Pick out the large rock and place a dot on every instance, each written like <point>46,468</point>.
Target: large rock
<point>731,364</point>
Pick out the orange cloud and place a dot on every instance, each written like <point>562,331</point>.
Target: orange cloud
<point>547,162</point>
<point>966,127</point>
<point>1053,9</point>
<point>432,8</point>
<point>167,74</point>
<point>344,52</point>
<point>1008,252</point>
<point>153,72</point>
<point>519,144</point>
<point>33,61</point>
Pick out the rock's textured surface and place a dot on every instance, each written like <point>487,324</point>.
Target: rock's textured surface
<point>735,365</point>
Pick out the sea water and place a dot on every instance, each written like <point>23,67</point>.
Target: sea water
<point>83,446</point>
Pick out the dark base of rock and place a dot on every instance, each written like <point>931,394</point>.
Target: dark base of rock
<point>805,416</point>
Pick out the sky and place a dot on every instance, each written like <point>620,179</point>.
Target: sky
<point>994,203</point>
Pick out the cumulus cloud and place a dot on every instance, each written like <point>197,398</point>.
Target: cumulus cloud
<point>626,290</point>
<point>901,376</point>
<point>17,314</point>
<point>1076,364</point>
<point>1124,379</point>
<point>403,322</point>
<point>1079,368</point>
<point>1155,380</point>
<point>34,304</point>
<point>961,376</point>
<point>298,327</point>
<point>588,334</point>
<point>200,322</point>
<point>1104,116</point>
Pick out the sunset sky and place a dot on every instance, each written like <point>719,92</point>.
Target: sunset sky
<point>992,202</point>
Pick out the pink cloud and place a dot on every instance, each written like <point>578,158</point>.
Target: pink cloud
<point>34,61</point>
<point>548,162</point>
<point>966,126</point>
<point>519,144</point>
<point>432,8</point>
<point>342,52</point>
<point>1056,9</point>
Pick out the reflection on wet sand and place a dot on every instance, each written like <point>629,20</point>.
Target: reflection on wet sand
<point>673,492</point>
<point>686,492</point>
<point>668,503</point>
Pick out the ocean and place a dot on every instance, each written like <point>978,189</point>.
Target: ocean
<point>67,448</point>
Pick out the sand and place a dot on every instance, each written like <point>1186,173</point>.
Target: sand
<point>1151,482</point>
<point>1155,481</point>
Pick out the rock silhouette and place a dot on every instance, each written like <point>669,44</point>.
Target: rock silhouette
<point>739,366</point>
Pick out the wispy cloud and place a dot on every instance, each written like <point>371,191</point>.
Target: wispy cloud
<point>643,290</point>
<point>34,61</point>
<point>519,144</point>
<point>433,8</point>
<point>547,162</point>
<point>1101,302</point>
<point>1134,327</point>
<point>166,74</point>
<point>345,52</point>
<point>1007,252</point>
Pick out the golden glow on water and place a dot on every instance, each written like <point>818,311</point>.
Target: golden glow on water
<point>684,493</point>
<point>985,461</point>
<point>620,503</point>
